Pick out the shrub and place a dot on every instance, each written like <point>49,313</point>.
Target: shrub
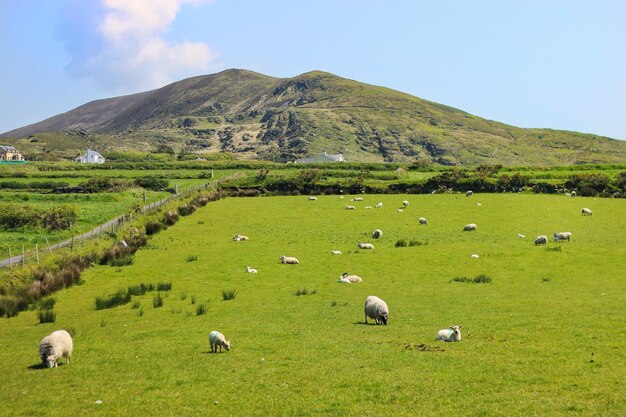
<point>153,227</point>
<point>192,258</point>
<point>46,303</point>
<point>400,243</point>
<point>46,316</point>
<point>157,301</point>
<point>127,260</point>
<point>170,218</point>
<point>119,298</point>
<point>152,183</point>
<point>229,294</point>
<point>186,210</point>
<point>201,309</point>
<point>164,286</point>
<point>140,289</point>
<point>478,279</point>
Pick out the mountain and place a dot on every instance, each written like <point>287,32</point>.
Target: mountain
<point>260,117</point>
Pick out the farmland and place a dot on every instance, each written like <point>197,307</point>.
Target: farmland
<point>544,337</point>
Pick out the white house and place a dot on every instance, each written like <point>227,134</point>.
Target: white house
<point>90,157</point>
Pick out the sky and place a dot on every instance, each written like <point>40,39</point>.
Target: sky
<point>557,64</point>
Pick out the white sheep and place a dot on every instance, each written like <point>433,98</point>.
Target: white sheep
<point>469,193</point>
<point>251,270</point>
<point>469,227</point>
<point>377,234</point>
<point>365,246</point>
<point>521,236</point>
<point>453,334</point>
<point>217,339</point>
<point>368,207</point>
<point>350,207</point>
<point>376,308</point>
<point>586,212</point>
<point>350,278</point>
<point>422,220</point>
<point>478,204</point>
<point>335,252</point>
<point>357,199</point>
<point>312,198</point>
<point>344,280</point>
<point>400,211</point>
<point>379,205</point>
<point>405,203</point>
<point>54,346</point>
<point>288,260</point>
<point>541,240</point>
<point>573,193</point>
<point>239,237</point>
<point>475,256</point>
<point>559,236</point>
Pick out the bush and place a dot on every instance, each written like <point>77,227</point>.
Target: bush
<point>157,301</point>
<point>186,209</point>
<point>153,227</point>
<point>46,316</point>
<point>229,294</point>
<point>152,183</point>
<point>46,303</point>
<point>400,243</point>
<point>13,216</point>
<point>192,258</point>
<point>170,218</point>
<point>201,309</point>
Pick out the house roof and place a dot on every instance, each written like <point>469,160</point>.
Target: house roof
<point>325,157</point>
<point>8,148</point>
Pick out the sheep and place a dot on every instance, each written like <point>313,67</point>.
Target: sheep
<point>379,205</point>
<point>469,227</point>
<point>57,344</point>
<point>350,278</point>
<point>335,252</point>
<point>368,207</point>
<point>217,339</point>
<point>344,280</point>
<point>357,199</point>
<point>405,203</point>
<point>312,198</point>
<point>376,308</point>
<point>573,193</point>
<point>453,334</point>
<point>350,207</point>
<point>586,212</point>
<point>469,193</point>
<point>541,240</point>
<point>475,256</point>
<point>365,246</point>
<point>288,260</point>
<point>377,234</point>
<point>559,236</point>
<point>251,270</point>
<point>400,211</point>
<point>422,220</point>
<point>521,236</point>
<point>239,237</point>
<point>478,204</point>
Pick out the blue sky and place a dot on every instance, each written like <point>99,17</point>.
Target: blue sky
<point>557,64</point>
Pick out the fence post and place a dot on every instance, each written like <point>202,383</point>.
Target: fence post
<point>48,244</point>
<point>72,247</point>
<point>10,258</point>
<point>37,252</point>
<point>23,256</point>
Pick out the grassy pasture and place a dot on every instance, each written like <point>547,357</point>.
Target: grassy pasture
<point>545,338</point>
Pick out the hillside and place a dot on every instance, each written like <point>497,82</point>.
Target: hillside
<point>261,117</point>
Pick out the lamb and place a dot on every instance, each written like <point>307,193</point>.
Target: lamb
<point>541,240</point>
<point>350,207</point>
<point>312,198</point>
<point>586,212</point>
<point>379,205</point>
<point>357,199</point>
<point>377,234</point>
<point>217,339</point>
<point>239,237</point>
<point>344,280</point>
<point>475,256</point>
<point>469,227</point>
<point>405,203</point>
<point>521,236</point>
<point>376,308</point>
<point>573,193</point>
<point>368,207</point>
<point>365,246</point>
<point>562,236</point>
<point>251,270</point>
<point>288,260</point>
<point>350,278</point>
<point>422,220</point>
<point>335,252</point>
<point>453,334</point>
<point>469,193</point>
<point>400,211</point>
<point>57,344</point>
<point>478,204</point>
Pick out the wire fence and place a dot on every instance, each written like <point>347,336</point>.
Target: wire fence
<point>35,254</point>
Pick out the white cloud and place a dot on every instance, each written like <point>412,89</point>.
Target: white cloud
<point>127,45</point>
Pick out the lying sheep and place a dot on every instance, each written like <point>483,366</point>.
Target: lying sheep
<point>469,193</point>
<point>357,199</point>
<point>400,211</point>
<point>376,308</point>
<point>54,346</point>
<point>350,207</point>
<point>587,212</point>
<point>335,252</point>
<point>453,334</point>
<point>344,280</point>
<point>422,220</point>
<point>405,203</point>
<point>312,198</point>
<point>217,339</point>
<point>521,236</point>
<point>475,256</point>
<point>379,205</point>
<point>251,270</point>
<point>350,278</point>
<point>478,204</point>
<point>541,240</point>
<point>469,227</point>
<point>239,237</point>
<point>377,234</point>
<point>288,260</point>
<point>368,207</point>
<point>559,236</point>
<point>365,245</point>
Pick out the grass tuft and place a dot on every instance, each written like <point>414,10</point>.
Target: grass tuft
<point>229,294</point>
<point>201,309</point>
<point>304,291</point>
<point>46,316</point>
<point>157,301</point>
<point>478,279</point>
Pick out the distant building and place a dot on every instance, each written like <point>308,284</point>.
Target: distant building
<point>90,157</point>
<point>9,153</point>
<point>325,157</point>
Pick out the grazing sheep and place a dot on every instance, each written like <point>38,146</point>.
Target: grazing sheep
<point>469,193</point>
<point>288,260</point>
<point>586,212</point>
<point>239,237</point>
<point>217,339</point>
<point>357,199</point>
<point>469,227</point>
<point>312,198</point>
<point>405,203</point>
<point>350,278</point>
<point>376,308</point>
<point>422,220</point>
<point>251,270</point>
<point>377,234</point>
<point>541,240</point>
<point>350,207</point>
<point>365,246</point>
<point>475,256</point>
<point>521,236</point>
<point>54,346</point>
<point>559,236</point>
<point>453,334</point>
<point>379,205</point>
<point>335,252</point>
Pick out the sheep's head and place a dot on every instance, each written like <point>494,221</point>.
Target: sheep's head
<point>50,361</point>
<point>383,316</point>
<point>456,332</point>
<point>227,344</point>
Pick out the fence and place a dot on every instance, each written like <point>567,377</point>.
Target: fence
<point>27,256</point>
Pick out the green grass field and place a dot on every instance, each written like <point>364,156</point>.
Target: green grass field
<point>545,338</point>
